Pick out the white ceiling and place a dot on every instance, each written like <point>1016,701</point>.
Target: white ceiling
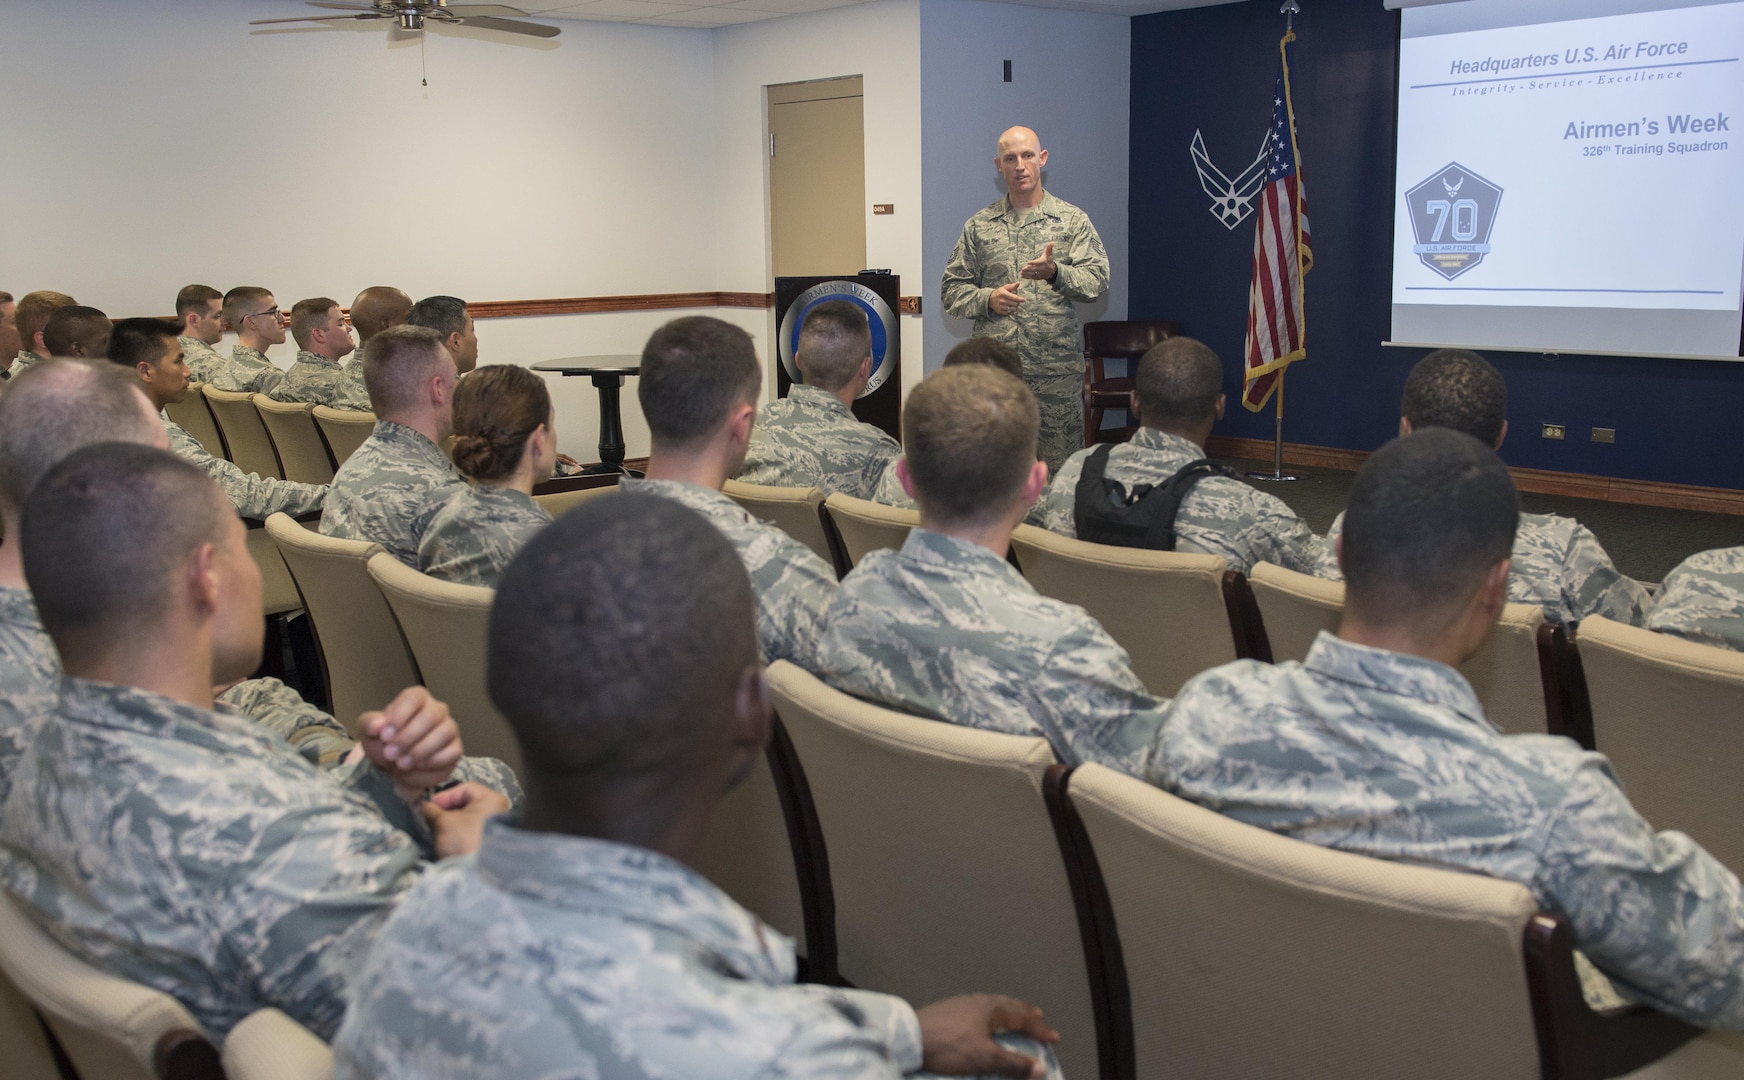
<point>704,14</point>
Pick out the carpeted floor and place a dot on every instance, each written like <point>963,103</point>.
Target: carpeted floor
<point>1644,541</point>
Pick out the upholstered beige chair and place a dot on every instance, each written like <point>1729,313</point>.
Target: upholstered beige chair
<point>1507,673</point>
<point>194,415</point>
<point>1167,609</point>
<point>278,591</point>
<point>447,625</point>
<point>109,1027</point>
<point>792,509</point>
<point>945,871</point>
<point>244,432</point>
<point>558,503</point>
<point>862,526</point>
<point>1250,954</point>
<point>365,656</point>
<point>1669,713</point>
<point>301,450</point>
<point>26,1049</point>
<point>268,1045</point>
<point>344,429</point>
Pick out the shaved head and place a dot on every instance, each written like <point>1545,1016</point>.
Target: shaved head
<point>1013,136</point>
<point>61,406</point>
<point>378,308</point>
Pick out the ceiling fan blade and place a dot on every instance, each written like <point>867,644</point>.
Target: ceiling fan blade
<point>470,10</point>
<point>312,18</point>
<point>343,7</point>
<point>510,26</point>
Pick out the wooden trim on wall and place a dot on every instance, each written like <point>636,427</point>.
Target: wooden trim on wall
<point>1667,496</point>
<point>594,305</point>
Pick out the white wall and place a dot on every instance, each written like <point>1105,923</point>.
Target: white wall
<point>172,143</point>
<point>1070,82</point>
<point>879,41</point>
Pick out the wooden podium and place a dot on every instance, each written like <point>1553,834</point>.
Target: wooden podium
<point>880,404</point>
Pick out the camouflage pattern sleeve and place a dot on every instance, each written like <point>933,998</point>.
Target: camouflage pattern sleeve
<point>1702,600</point>
<point>794,589</point>
<point>320,739</point>
<point>1656,912</point>
<point>888,490</point>
<point>1098,703</point>
<point>1275,534</point>
<point>963,293</point>
<point>1057,509</point>
<point>1592,585</point>
<point>257,497</point>
<point>1081,264</point>
<point>1328,566</point>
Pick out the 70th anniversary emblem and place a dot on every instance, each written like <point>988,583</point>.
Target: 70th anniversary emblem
<point>1452,214</point>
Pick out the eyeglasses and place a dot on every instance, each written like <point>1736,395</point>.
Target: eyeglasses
<point>273,311</point>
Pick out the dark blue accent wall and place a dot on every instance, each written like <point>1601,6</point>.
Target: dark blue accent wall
<point>1213,69</point>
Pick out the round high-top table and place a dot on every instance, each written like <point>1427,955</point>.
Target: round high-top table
<point>608,374</point>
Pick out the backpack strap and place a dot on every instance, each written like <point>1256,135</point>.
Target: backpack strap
<point>1106,513</point>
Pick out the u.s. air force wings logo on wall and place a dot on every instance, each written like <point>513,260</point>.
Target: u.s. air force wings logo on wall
<point>1231,200</point>
<point>886,335</point>
<point>1452,214</point>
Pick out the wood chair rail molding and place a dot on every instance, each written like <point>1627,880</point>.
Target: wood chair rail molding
<point>1713,500</point>
<point>594,305</point>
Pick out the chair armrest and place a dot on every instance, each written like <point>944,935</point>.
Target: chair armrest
<point>184,1054</point>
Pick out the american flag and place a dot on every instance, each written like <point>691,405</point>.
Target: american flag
<point>1275,333</point>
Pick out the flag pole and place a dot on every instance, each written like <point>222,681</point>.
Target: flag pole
<point>1288,11</point>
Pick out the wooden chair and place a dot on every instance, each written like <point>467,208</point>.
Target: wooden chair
<point>244,432</point>
<point>1245,953</point>
<point>1116,340</point>
<point>944,869</point>
<point>108,1027</point>
<point>297,441</point>
<point>447,625</point>
<point>1514,675</point>
<point>1167,609</point>
<point>858,526</point>
<point>193,414</point>
<point>344,430</point>
<point>794,510</point>
<point>268,1045</point>
<point>1667,712</point>
<point>363,653</point>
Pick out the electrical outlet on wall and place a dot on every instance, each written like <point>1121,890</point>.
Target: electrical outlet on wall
<point>1555,431</point>
<point>1605,434</point>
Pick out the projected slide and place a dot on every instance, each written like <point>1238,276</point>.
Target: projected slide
<point>1574,185</point>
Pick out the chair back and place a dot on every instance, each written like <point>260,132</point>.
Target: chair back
<point>558,503</point>
<point>793,510</point>
<point>28,1056</point>
<point>301,450</point>
<point>109,1027</point>
<point>447,625</point>
<point>1250,954</point>
<point>1507,673</point>
<point>1126,339</point>
<point>268,1045</point>
<point>278,590</point>
<point>863,526</point>
<point>244,432</point>
<point>1165,608</point>
<point>363,651</point>
<point>195,416</point>
<point>344,429</point>
<point>928,828</point>
<point>1667,713</point>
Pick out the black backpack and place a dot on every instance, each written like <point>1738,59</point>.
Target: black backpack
<point>1106,514</point>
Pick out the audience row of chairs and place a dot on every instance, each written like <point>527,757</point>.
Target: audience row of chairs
<point>284,440</point>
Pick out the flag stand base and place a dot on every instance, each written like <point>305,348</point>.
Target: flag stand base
<point>1278,472</point>
<point>1257,475</point>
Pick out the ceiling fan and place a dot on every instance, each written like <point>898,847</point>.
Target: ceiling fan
<point>410,15</point>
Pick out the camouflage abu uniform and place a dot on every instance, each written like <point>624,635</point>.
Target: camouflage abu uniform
<point>253,495</point>
<point>387,490</point>
<point>23,362</point>
<point>203,360</point>
<point>810,439</point>
<point>1702,599</point>
<point>30,673</point>
<point>194,853</point>
<point>947,629</point>
<point>1558,564</point>
<point>793,585</point>
<point>322,380</point>
<point>996,244</point>
<point>1391,756</point>
<point>247,371</point>
<point>563,956</point>
<point>1219,516</point>
<point>471,539</point>
<point>889,490</point>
